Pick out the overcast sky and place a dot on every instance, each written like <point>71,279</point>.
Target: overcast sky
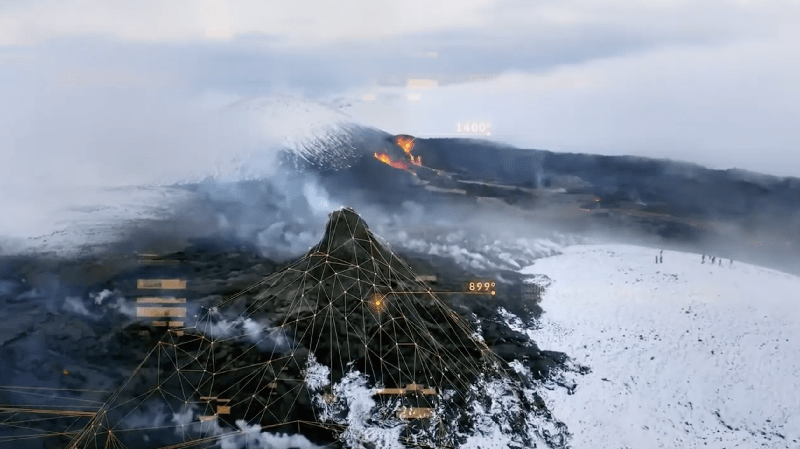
<point>95,88</point>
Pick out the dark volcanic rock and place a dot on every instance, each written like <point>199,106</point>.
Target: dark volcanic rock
<point>279,353</point>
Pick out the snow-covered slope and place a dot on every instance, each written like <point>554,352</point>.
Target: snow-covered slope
<point>313,130</point>
<point>683,354</point>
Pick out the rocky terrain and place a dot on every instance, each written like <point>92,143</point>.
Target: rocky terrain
<point>314,315</point>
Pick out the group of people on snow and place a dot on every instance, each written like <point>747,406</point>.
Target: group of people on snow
<point>714,259</point>
<point>660,259</point>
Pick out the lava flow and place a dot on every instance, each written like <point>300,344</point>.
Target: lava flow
<point>407,144</point>
<point>386,159</point>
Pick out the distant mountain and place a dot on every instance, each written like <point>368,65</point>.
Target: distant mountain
<point>683,188</point>
<point>726,210</point>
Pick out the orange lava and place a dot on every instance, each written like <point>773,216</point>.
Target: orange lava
<point>386,159</point>
<point>406,143</point>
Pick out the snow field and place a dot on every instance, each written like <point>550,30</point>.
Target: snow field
<point>683,354</point>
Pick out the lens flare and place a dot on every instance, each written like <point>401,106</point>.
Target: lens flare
<point>378,303</point>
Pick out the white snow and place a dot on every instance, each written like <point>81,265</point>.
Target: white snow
<point>515,323</point>
<point>360,403</point>
<point>67,219</point>
<point>493,418</point>
<point>317,374</point>
<point>683,354</point>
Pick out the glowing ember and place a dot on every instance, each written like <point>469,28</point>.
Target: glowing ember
<point>386,159</point>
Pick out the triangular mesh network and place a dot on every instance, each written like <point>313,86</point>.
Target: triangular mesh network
<point>275,356</point>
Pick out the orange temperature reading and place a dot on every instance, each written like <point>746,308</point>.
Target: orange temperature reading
<point>487,287</point>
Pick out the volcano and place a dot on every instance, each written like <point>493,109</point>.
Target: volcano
<point>297,352</point>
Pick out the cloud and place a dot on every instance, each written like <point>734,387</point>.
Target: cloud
<point>252,437</point>
<point>72,151</point>
<point>310,21</point>
<point>602,71</point>
<point>317,21</point>
<point>74,304</point>
<point>263,335</point>
<point>134,93</point>
<point>732,105</point>
<point>102,296</point>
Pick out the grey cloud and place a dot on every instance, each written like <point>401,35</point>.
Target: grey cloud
<point>102,296</point>
<point>263,335</point>
<point>74,304</point>
<point>254,65</point>
<point>138,114</point>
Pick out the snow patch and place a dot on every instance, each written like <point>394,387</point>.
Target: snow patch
<point>317,374</point>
